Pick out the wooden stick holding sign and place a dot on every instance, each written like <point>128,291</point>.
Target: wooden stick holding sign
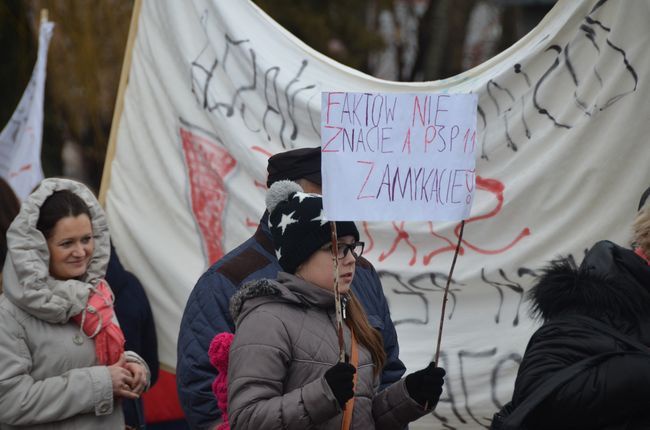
<point>436,360</point>
<point>337,293</point>
<point>446,294</point>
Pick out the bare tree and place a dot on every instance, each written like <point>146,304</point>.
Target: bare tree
<point>84,62</point>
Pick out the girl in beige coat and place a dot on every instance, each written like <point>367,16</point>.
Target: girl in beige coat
<point>62,359</point>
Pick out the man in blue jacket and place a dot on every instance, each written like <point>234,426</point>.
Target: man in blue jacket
<point>206,312</point>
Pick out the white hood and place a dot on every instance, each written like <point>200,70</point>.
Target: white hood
<point>26,275</point>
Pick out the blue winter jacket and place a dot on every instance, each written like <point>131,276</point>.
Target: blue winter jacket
<point>206,314</point>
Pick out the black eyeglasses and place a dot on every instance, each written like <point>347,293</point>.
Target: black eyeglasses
<point>355,247</point>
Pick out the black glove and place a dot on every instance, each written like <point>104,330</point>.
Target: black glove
<point>340,379</point>
<point>425,386</point>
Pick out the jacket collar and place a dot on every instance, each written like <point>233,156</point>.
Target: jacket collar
<point>306,292</point>
<point>287,288</point>
<point>263,234</point>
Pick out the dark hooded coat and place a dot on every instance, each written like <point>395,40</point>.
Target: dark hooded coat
<point>612,285</point>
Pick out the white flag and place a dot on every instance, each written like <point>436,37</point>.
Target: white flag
<point>20,140</point>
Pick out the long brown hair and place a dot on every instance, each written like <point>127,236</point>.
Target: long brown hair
<point>366,335</point>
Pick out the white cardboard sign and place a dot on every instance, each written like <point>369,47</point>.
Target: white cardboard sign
<point>398,157</point>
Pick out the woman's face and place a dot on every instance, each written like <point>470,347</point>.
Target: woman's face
<point>319,268</point>
<point>71,246</point>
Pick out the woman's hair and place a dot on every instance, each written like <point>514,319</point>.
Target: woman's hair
<point>365,334</point>
<point>59,205</point>
<point>641,229</point>
<point>9,208</point>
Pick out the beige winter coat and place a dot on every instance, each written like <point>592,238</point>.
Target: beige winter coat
<point>285,340</point>
<point>49,378</point>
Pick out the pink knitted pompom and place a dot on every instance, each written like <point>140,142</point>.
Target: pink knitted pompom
<point>219,349</point>
<point>218,353</point>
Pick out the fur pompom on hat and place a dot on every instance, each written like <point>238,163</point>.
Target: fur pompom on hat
<point>297,224</point>
<point>218,353</point>
<point>280,192</point>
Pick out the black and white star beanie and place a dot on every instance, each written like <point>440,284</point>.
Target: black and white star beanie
<point>297,224</point>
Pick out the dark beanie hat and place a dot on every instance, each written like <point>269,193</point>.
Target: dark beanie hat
<point>644,197</point>
<point>297,225</point>
<point>303,163</point>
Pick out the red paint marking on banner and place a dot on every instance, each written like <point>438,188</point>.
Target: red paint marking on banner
<point>402,235</point>
<point>22,169</point>
<point>251,223</point>
<point>268,154</point>
<point>161,402</point>
<point>451,247</point>
<point>208,164</point>
<point>495,187</point>
<point>262,150</point>
<point>492,186</point>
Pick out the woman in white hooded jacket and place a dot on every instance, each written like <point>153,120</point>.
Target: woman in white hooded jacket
<point>62,359</point>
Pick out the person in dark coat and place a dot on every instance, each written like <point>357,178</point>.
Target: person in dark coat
<point>136,321</point>
<point>611,286</point>
<point>206,312</point>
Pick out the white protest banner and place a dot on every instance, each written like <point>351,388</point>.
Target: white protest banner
<point>398,157</point>
<point>215,87</point>
<point>20,140</point>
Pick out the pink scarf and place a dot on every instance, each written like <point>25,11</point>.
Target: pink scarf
<point>638,251</point>
<point>98,322</point>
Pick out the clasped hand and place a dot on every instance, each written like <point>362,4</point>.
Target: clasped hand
<point>129,379</point>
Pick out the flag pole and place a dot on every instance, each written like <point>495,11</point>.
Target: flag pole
<point>119,102</point>
<point>337,293</point>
